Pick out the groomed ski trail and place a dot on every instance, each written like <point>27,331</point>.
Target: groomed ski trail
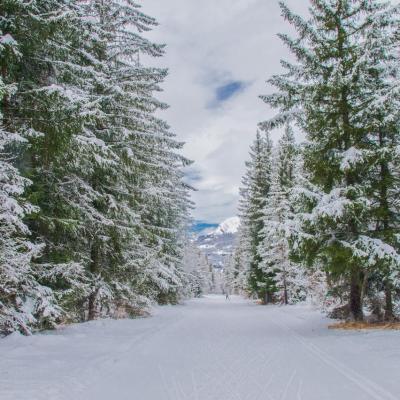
<point>208,349</point>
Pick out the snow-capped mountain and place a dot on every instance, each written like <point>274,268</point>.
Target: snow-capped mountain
<point>229,226</point>
<point>217,244</point>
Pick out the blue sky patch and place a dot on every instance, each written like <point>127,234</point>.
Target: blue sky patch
<point>228,90</point>
<point>201,226</point>
<point>193,175</point>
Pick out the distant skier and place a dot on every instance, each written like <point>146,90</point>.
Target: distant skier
<point>227,296</point>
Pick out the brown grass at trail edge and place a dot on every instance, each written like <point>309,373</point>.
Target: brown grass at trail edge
<point>356,326</point>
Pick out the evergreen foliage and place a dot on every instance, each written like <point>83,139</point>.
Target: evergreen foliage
<point>198,272</point>
<point>279,226</point>
<point>256,185</point>
<point>81,142</point>
<point>333,207</point>
<point>343,93</point>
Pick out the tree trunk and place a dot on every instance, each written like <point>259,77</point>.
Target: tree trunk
<point>92,315</point>
<point>285,293</point>
<point>5,112</point>
<point>364,290</point>
<point>267,298</point>
<point>389,314</point>
<point>356,310</point>
<point>94,269</point>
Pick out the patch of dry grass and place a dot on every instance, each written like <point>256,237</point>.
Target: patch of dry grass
<point>356,326</point>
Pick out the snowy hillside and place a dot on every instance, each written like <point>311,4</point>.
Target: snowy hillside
<point>217,244</point>
<point>229,226</point>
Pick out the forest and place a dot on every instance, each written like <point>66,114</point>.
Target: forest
<point>194,206</point>
<point>93,204</point>
<point>321,218</point>
<point>95,210</point>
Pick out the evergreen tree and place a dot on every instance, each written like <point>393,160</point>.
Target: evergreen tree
<point>381,114</point>
<point>107,186</point>
<point>325,93</point>
<point>236,270</point>
<point>141,234</point>
<point>287,155</point>
<point>256,186</point>
<point>24,303</point>
<point>198,273</point>
<point>278,216</point>
<point>51,74</point>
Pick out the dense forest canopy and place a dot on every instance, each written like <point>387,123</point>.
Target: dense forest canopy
<point>94,206</point>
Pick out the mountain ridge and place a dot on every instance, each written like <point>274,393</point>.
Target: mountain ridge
<point>217,244</point>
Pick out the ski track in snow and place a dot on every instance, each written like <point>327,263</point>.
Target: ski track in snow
<point>374,390</point>
<point>209,349</point>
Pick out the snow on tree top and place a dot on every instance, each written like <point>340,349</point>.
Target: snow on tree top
<point>351,157</point>
<point>8,40</point>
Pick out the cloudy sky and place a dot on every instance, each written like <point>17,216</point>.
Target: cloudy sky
<point>219,54</point>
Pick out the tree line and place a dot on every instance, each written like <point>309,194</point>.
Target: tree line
<point>93,205</point>
<point>325,214</point>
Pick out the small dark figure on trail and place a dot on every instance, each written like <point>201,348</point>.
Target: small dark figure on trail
<point>227,296</point>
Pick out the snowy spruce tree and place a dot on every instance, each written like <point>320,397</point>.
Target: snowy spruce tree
<point>197,272</point>
<point>24,304</point>
<point>238,266</point>
<point>381,76</point>
<point>47,107</point>
<point>255,188</point>
<point>106,179</point>
<point>278,219</point>
<point>136,170</point>
<point>32,107</point>
<point>341,92</point>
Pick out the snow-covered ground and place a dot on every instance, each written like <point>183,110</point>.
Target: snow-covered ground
<point>207,349</point>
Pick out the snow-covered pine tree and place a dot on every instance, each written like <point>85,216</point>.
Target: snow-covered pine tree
<point>135,168</point>
<point>324,91</point>
<point>24,304</point>
<point>197,272</point>
<point>380,71</point>
<point>273,248</point>
<point>255,188</point>
<point>278,218</point>
<point>236,270</point>
<point>101,163</point>
<point>287,156</point>
<point>48,107</point>
<point>322,291</point>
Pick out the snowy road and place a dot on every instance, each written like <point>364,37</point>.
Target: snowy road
<point>209,349</point>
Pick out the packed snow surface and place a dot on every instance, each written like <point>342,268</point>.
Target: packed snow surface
<point>207,349</point>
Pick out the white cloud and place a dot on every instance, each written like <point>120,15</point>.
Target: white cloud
<point>209,44</point>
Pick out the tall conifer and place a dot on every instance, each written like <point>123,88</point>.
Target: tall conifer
<point>325,93</point>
